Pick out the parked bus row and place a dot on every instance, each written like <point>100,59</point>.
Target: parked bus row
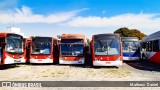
<point>105,49</point>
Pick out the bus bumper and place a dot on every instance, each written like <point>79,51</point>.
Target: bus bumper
<point>20,60</point>
<point>41,60</point>
<point>81,61</point>
<point>131,58</point>
<point>11,60</point>
<point>107,63</point>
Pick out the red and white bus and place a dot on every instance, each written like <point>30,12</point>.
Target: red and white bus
<point>150,47</point>
<point>44,50</point>
<point>106,50</point>
<point>26,43</point>
<point>11,48</point>
<point>72,49</point>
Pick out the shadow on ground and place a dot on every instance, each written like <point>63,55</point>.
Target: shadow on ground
<point>144,65</point>
<point>39,64</point>
<point>10,66</point>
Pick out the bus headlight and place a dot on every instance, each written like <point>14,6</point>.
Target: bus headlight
<point>61,59</point>
<point>32,57</point>
<point>48,57</point>
<point>118,59</point>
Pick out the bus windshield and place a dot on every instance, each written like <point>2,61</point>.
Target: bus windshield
<point>41,45</point>
<point>72,47</point>
<point>130,46</point>
<point>14,44</point>
<point>107,47</point>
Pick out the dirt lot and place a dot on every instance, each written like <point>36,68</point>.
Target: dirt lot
<point>130,71</point>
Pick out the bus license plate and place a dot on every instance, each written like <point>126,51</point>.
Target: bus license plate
<point>108,62</point>
<point>79,61</point>
<point>16,60</point>
<point>39,60</point>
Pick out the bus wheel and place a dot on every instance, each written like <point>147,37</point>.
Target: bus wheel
<point>143,57</point>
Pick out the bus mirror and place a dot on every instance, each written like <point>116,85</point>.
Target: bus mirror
<point>28,46</point>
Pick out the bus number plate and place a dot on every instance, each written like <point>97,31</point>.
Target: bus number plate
<point>39,60</point>
<point>16,60</point>
<point>108,62</point>
<point>79,61</point>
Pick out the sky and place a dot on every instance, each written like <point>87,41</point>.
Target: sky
<point>88,17</point>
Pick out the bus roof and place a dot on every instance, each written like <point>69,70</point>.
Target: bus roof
<point>73,36</point>
<point>150,37</point>
<point>4,34</point>
<point>44,37</point>
<point>130,39</point>
<point>106,34</point>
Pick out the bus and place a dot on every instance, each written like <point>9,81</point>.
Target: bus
<point>26,43</point>
<point>44,50</point>
<point>106,50</point>
<point>130,48</point>
<point>11,48</point>
<point>150,47</point>
<point>72,49</point>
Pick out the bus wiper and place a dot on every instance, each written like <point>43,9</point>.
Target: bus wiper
<point>135,44</point>
<point>103,47</point>
<point>124,44</point>
<point>101,43</point>
<point>110,43</point>
<point>67,48</point>
<point>13,43</point>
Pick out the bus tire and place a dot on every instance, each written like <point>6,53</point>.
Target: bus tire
<point>143,57</point>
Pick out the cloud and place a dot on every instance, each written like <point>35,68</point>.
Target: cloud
<point>25,15</point>
<point>140,21</point>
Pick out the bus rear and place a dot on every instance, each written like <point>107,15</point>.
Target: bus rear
<point>130,48</point>
<point>72,48</point>
<point>44,50</point>
<point>106,50</point>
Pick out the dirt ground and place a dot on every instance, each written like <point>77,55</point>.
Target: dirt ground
<point>130,71</point>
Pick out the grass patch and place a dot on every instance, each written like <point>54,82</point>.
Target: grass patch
<point>115,73</point>
<point>59,72</point>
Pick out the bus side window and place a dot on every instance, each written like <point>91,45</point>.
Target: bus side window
<point>159,45</point>
<point>150,46</point>
<point>147,46</point>
<point>142,46</point>
<point>155,45</point>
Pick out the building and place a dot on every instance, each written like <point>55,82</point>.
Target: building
<point>16,30</point>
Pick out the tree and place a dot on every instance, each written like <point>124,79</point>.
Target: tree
<point>125,32</point>
<point>88,41</point>
<point>32,36</point>
<point>59,36</point>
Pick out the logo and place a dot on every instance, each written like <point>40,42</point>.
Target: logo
<point>108,62</point>
<point>6,84</point>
